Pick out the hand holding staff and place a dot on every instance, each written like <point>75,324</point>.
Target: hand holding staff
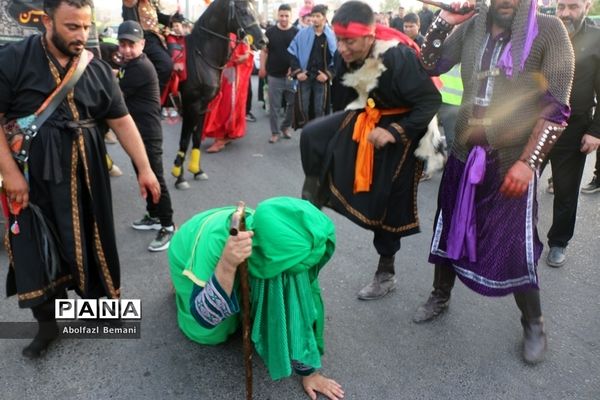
<point>238,224</point>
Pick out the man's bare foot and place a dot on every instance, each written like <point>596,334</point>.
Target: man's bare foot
<point>316,382</point>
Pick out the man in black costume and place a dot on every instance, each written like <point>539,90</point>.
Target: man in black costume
<point>360,161</point>
<point>65,183</point>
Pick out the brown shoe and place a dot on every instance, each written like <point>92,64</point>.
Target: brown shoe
<point>217,146</point>
<point>274,139</point>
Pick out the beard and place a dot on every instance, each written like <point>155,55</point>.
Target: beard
<point>572,25</point>
<point>64,47</point>
<point>502,20</point>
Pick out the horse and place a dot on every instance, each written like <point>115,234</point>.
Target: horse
<point>207,48</point>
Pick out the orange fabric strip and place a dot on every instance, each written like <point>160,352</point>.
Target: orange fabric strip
<point>365,123</point>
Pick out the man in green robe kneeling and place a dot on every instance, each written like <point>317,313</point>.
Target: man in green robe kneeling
<point>287,243</point>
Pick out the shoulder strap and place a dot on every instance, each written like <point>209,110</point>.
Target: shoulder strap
<point>58,95</point>
<point>31,124</point>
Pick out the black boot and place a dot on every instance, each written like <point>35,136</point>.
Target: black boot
<point>383,282</point>
<point>535,342</point>
<point>437,303</point>
<point>47,330</point>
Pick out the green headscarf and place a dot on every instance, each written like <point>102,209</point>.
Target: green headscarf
<point>292,241</point>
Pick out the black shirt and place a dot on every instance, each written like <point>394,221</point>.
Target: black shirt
<point>586,82</point>
<point>426,18</point>
<point>26,81</point>
<point>278,61</point>
<point>316,60</point>
<point>139,84</point>
<point>397,23</point>
<point>419,39</point>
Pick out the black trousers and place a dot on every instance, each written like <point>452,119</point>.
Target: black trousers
<point>160,58</point>
<point>568,163</point>
<point>163,209</point>
<point>386,243</point>
<point>249,99</point>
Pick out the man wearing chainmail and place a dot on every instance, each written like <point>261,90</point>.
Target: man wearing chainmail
<point>517,68</point>
<point>63,189</point>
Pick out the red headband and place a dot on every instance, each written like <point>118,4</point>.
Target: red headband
<point>353,30</point>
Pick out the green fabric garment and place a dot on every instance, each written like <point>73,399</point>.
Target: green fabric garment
<point>292,241</point>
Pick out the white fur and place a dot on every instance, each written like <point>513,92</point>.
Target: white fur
<point>428,147</point>
<point>366,78</point>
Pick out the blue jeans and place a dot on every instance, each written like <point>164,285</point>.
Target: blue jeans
<point>316,89</point>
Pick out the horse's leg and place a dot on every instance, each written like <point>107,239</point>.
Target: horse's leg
<point>195,166</point>
<point>184,141</point>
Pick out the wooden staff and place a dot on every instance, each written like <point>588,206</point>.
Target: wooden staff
<point>238,224</point>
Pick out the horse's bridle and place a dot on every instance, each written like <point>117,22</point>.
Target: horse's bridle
<point>241,31</point>
<point>232,16</point>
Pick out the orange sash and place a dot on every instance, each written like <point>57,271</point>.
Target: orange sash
<point>365,123</point>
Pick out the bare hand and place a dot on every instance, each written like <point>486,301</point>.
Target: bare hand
<point>262,73</point>
<point>322,77</point>
<point>178,67</point>
<point>589,143</point>
<point>381,137</point>
<point>316,382</point>
<point>148,183</point>
<point>237,249</point>
<point>17,190</point>
<point>516,180</point>
<point>455,19</point>
<point>302,76</point>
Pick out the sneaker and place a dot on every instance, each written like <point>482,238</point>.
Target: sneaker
<point>556,257</point>
<point>110,138</point>
<point>163,239</point>
<point>173,114</point>
<point>550,188</point>
<point>164,113</point>
<point>147,223</point>
<point>115,171</point>
<point>250,117</point>
<point>592,187</point>
<point>285,133</point>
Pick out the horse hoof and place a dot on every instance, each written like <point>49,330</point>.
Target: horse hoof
<point>200,176</point>
<point>183,185</point>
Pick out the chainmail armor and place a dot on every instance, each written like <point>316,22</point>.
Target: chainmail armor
<point>516,103</point>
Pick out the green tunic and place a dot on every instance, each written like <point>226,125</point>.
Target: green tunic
<point>292,242</point>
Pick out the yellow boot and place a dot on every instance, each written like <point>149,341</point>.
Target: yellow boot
<point>194,164</point>
<point>177,164</point>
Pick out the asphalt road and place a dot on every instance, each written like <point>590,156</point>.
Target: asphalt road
<point>372,348</point>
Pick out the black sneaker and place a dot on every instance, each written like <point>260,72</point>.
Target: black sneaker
<point>163,239</point>
<point>592,187</point>
<point>147,224</point>
<point>250,117</point>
